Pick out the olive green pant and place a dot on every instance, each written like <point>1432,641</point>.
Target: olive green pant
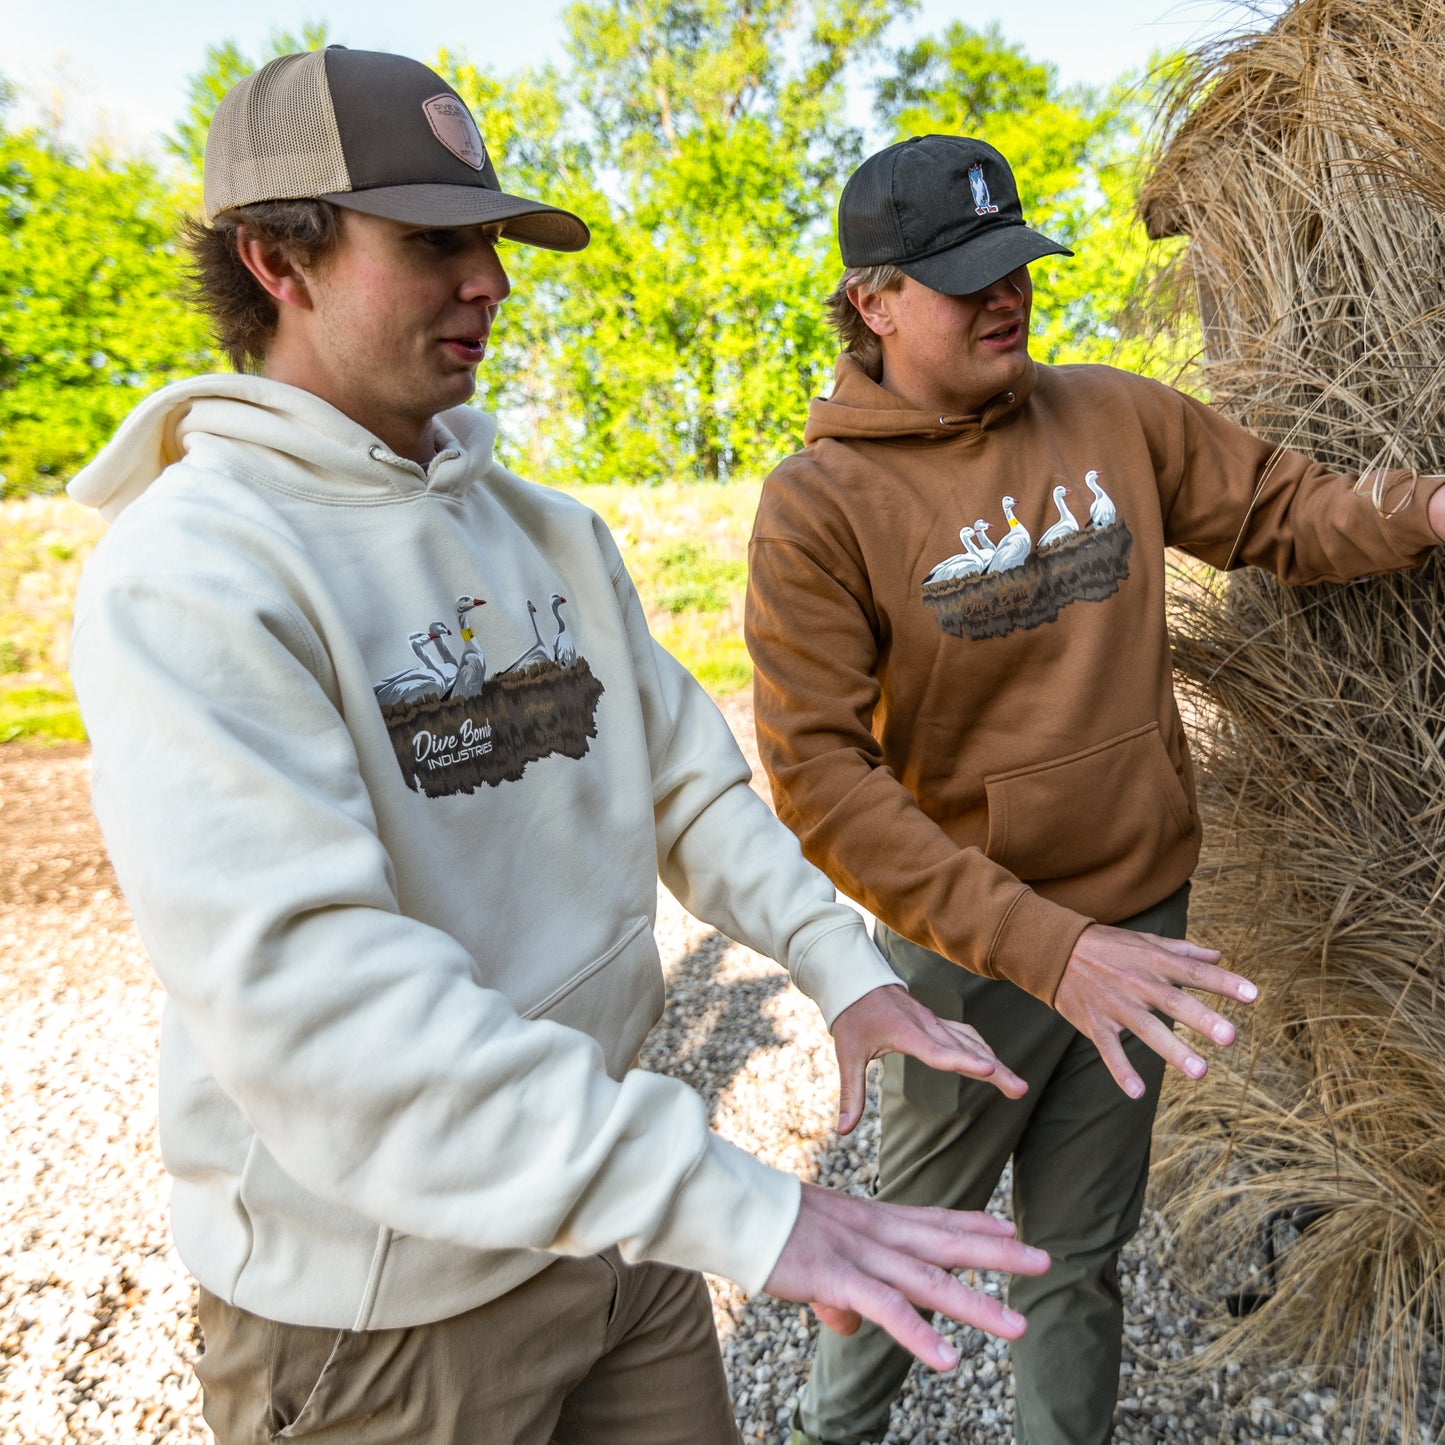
<point>1080,1149</point>
<point>590,1351</point>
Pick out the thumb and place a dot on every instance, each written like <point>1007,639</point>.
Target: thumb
<point>838,1319</point>
<point>852,1091</point>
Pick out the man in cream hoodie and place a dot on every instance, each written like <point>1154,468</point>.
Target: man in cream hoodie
<point>394,852</point>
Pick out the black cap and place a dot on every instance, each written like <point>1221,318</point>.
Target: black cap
<point>372,132</point>
<point>944,209</point>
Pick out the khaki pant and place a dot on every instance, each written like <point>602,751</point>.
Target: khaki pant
<point>589,1352</point>
<point>1080,1149</point>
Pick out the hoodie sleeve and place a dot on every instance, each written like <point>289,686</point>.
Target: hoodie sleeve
<point>360,1045</point>
<point>816,660</point>
<point>722,852</point>
<point>1234,500</point>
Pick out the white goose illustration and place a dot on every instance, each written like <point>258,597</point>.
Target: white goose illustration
<point>1102,513</point>
<point>471,671</point>
<point>1014,546</point>
<point>961,564</point>
<point>970,545</point>
<point>437,631</point>
<point>537,652</point>
<point>415,683</point>
<point>564,653</point>
<point>980,534</point>
<point>1067,524</point>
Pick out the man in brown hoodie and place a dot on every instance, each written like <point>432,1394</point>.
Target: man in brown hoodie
<point>976,736</point>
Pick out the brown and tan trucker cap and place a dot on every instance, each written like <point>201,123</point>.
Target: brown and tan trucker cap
<point>371,132</point>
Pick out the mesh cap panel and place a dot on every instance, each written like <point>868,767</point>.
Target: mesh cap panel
<point>274,138</point>
<point>371,132</point>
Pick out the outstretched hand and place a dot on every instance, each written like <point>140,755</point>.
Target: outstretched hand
<point>1119,980</point>
<point>890,1020</point>
<point>854,1259</point>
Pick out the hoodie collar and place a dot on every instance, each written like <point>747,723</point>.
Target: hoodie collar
<point>281,434</point>
<point>861,410</point>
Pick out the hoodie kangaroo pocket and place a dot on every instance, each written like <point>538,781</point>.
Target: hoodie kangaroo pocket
<point>615,999</point>
<point>1088,812</point>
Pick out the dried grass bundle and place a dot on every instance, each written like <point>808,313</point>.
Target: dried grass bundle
<point>1307,165</point>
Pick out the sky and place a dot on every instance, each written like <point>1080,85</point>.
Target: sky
<point>120,66</point>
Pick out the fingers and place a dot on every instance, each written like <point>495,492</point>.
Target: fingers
<point>1117,980</point>
<point>1198,968</point>
<point>898,1282</point>
<point>841,1322</point>
<point>856,1259</point>
<point>957,1048</point>
<point>890,1020</point>
<point>1111,1051</point>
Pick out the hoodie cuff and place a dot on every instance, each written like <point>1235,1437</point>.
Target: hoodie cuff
<point>837,963</point>
<point>1409,529</point>
<point>1032,945</point>
<point>731,1218</point>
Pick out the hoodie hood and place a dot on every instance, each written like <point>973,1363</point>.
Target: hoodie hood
<point>324,449</point>
<point>862,410</point>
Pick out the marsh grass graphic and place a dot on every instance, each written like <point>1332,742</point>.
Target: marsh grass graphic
<point>1085,567</point>
<point>457,745</point>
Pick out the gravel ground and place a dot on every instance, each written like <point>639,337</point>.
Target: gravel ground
<point>97,1331</point>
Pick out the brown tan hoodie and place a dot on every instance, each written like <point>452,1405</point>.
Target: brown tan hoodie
<point>990,759</point>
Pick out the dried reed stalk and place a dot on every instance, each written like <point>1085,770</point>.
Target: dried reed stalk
<point>1307,165</point>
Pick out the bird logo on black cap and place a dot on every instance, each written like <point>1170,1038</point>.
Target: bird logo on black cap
<point>982,206</point>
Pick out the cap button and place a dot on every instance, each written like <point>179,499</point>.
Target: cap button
<point>1008,396</point>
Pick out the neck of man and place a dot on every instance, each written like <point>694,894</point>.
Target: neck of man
<point>404,436</point>
<point>924,395</point>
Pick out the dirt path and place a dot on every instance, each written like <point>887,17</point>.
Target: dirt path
<point>50,847</point>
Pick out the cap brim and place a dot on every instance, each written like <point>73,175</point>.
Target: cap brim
<point>530,222</point>
<point>981,261</point>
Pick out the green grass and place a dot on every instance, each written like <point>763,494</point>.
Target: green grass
<point>39,714</point>
<point>685,545</point>
<point>43,542</point>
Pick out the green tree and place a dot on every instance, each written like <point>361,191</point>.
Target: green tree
<point>91,315</point>
<point>685,341</point>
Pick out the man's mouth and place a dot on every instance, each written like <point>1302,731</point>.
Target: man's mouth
<point>1002,335</point>
<point>470,349</point>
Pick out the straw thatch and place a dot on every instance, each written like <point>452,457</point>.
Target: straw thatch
<point>1306,162</point>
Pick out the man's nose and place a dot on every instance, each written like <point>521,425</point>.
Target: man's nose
<point>1006,289</point>
<point>486,278</point>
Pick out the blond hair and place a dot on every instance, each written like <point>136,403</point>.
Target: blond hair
<point>853,332</point>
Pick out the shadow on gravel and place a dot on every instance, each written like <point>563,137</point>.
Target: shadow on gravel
<point>712,1025</point>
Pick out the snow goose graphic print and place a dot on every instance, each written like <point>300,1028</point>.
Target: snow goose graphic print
<point>456,726</point>
<point>1017,585</point>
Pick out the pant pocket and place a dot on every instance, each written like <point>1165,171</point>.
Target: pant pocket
<point>300,1367</point>
<point>356,1386</point>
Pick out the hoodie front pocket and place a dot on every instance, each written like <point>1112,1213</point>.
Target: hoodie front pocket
<point>615,999</point>
<point>1087,812</point>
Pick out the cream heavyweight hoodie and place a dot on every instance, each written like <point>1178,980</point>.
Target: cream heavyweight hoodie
<point>406,936</point>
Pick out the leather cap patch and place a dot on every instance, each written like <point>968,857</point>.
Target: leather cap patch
<point>452,124</point>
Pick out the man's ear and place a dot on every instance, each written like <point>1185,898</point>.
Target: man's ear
<point>873,307</point>
<point>273,269</point>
